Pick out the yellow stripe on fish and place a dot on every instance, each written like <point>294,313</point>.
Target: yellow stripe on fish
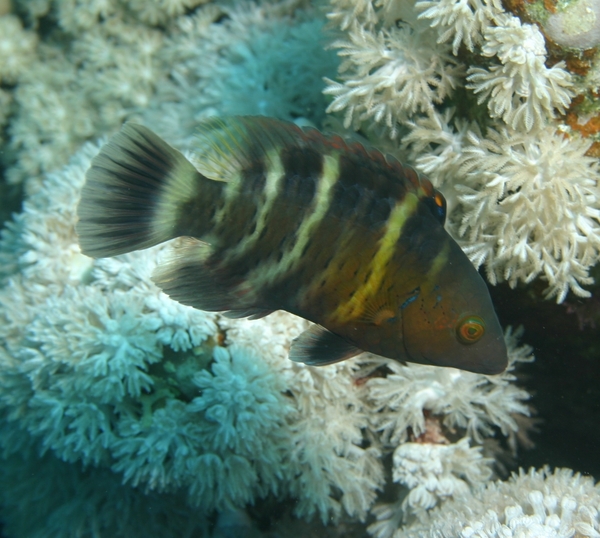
<point>355,307</point>
<point>273,217</point>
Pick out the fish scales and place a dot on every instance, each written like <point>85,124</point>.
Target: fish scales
<point>272,217</point>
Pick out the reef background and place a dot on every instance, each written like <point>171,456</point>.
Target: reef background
<point>242,71</point>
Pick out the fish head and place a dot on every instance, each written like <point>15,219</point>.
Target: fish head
<point>450,320</point>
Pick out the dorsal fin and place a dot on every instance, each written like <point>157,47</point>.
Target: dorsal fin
<point>226,145</point>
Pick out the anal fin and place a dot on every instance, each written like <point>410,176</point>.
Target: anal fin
<point>317,347</point>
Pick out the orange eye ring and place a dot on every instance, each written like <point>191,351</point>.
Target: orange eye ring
<point>470,329</point>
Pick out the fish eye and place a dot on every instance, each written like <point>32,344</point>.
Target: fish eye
<point>470,329</point>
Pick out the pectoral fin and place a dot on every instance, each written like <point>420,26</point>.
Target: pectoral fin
<point>318,346</point>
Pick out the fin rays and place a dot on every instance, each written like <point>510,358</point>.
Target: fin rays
<point>124,188</point>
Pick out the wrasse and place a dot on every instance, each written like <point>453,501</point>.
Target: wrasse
<point>273,217</point>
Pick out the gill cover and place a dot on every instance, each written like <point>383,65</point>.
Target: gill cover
<point>452,321</point>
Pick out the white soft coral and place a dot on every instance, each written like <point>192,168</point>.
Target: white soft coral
<point>530,206</point>
<point>472,402</point>
<point>522,90</point>
<point>392,74</point>
<point>463,21</point>
<point>102,368</point>
<point>534,503</point>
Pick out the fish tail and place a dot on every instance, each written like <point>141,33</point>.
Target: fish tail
<point>135,192</point>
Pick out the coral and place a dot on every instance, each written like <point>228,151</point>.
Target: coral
<point>437,421</point>
<point>539,200</point>
<point>161,11</point>
<point>242,66</point>
<point>390,75</point>
<point>537,503</point>
<point>71,94</point>
<point>432,473</point>
<point>79,502</point>
<point>526,205</point>
<point>100,368</point>
<point>105,379</point>
<point>472,402</point>
<point>522,90</point>
<point>17,49</point>
<point>258,78</point>
<point>111,64</point>
<point>463,21</point>
<point>487,129</point>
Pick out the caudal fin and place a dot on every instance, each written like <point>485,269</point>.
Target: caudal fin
<point>132,190</point>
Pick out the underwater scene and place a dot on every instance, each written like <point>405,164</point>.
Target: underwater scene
<point>314,269</point>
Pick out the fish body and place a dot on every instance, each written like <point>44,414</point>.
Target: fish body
<point>273,217</point>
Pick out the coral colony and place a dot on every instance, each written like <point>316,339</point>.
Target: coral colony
<point>526,196</point>
<point>124,413</point>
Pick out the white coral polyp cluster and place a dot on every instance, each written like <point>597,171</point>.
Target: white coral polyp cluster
<point>544,503</point>
<point>435,472</point>
<point>521,90</point>
<point>392,74</point>
<point>17,48</point>
<point>432,473</point>
<point>416,406</point>
<point>537,199</point>
<point>463,21</point>
<point>99,367</point>
<point>472,402</point>
<point>522,194</point>
<point>527,205</point>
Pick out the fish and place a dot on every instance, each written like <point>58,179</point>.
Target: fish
<point>270,216</point>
